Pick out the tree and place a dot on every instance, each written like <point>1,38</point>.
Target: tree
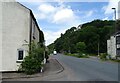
<point>32,63</point>
<point>91,34</point>
<point>81,47</point>
<point>51,48</point>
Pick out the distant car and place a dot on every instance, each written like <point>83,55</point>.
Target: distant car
<point>54,52</point>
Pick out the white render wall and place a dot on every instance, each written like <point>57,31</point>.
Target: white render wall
<point>16,28</point>
<point>108,47</point>
<point>111,47</point>
<point>0,36</point>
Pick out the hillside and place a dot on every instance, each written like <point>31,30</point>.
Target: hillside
<point>92,34</point>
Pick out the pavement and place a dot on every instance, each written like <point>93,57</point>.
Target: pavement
<point>50,68</point>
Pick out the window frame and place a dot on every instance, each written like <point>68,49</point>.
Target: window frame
<point>18,55</point>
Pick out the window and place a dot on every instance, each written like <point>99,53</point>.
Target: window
<point>20,54</point>
<point>33,30</point>
<point>118,39</point>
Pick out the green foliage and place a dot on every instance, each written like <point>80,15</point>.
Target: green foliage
<point>83,56</point>
<point>32,63</point>
<point>103,56</point>
<point>115,60</point>
<point>91,34</point>
<point>51,48</point>
<point>80,47</point>
<point>41,37</point>
<point>80,55</point>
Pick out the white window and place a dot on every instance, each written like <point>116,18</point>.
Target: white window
<point>20,55</point>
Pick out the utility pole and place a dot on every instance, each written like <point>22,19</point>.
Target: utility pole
<point>98,49</point>
<point>115,30</point>
<point>115,17</point>
<point>44,61</point>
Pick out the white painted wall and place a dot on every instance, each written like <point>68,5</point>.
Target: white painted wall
<point>0,41</point>
<point>111,46</point>
<point>16,27</point>
<point>108,47</point>
<point>15,32</point>
<point>0,36</point>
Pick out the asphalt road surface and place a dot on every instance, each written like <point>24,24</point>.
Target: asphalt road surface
<point>79,69</point>
<point>87,69</point>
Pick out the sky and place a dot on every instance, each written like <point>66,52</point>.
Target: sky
<point>55,17</point>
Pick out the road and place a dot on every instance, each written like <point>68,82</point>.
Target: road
<point>78,69</point>
<point>88,69</point>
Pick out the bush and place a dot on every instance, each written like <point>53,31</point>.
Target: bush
<point>32,63</point>
<point>79,55</point>
<point>103,56</point>
<point>81,46</point>
<point>82,55</point>
<point>66,53</point>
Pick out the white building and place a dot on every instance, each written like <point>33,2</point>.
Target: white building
<point>111,47</point>
<point>113,44</point>
<point>19,28</point>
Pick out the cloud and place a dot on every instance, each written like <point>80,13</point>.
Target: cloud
<point>46,8</point>
<point>51,36</point>
<point>64,15</point>
<point>56,14</point>
<point>60,15</point>
<point>106,18</point>
<point>40,16</point>
<point>88,14</point>
<point>108,8</point>
<point>45,11</point>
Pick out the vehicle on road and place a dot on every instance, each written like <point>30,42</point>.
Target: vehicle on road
<point>54,52</point>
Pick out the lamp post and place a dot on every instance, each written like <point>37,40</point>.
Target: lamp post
<point>115,17</point>
<point>44,52</point>
<point>114,12</point>
<point>98,49</point>
<point>115,29</point>
<point>98,46</point>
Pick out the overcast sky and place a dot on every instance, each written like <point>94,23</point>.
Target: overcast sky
<point>56,17</point>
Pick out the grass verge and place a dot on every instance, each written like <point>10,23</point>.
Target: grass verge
<point>77,55</point>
